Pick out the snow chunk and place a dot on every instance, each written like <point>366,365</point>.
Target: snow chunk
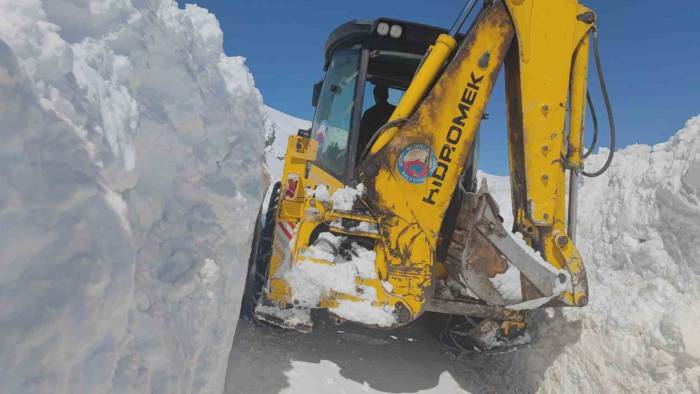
<point>321,193</point>
<point>365,312</point>
<point>365,227</point>
<point>508,284</point>
<point>310,280</point>
<point>292,316</point>
<point>343,199</point>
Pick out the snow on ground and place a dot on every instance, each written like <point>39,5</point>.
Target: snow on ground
<point>639,233</point>
<point>131,175</point>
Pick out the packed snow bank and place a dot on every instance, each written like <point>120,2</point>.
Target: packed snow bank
<point>639,233</point>
<point>131,176</point>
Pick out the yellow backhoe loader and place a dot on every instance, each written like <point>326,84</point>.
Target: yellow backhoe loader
<point>379,217</point>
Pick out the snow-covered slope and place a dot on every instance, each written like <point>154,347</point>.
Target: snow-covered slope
<point>279,126</point>
<point>639,233</point>
<point>131,174</point>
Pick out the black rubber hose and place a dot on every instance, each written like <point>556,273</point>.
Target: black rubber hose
<point>393,123</point>
<point>608,108</point>
<point>594,143</point>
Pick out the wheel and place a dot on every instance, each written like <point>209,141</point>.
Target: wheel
<point>260,253</point>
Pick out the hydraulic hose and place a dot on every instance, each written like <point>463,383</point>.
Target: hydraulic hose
<point>462,18</point>
<point>608,108</point>
<point>594,142</point>
<point>394,123</point>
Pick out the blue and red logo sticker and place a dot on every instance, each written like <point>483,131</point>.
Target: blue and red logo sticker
<point>416,163</point>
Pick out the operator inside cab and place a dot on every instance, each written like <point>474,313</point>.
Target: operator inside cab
<point>375,116</point>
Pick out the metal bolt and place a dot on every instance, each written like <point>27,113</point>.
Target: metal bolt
<point>563,241</point>
<point>484,60</point>
<point>582,301</point>
<point>562,278</point>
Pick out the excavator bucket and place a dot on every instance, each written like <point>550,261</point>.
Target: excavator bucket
<point>482,249</point>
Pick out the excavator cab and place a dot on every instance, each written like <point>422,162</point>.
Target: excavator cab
<point>379,226</point>
<point>359,56</point>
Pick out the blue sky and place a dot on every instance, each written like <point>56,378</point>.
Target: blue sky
<point>650,52</point>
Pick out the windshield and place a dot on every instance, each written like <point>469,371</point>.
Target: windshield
<point>331,125</point>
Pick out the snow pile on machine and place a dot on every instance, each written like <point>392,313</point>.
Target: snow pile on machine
<point>310,281</point>
<point>130,173</point>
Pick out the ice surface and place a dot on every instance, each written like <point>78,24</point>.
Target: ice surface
<point>131,174</point>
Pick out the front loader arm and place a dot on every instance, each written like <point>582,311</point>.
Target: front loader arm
<point>413,171</point>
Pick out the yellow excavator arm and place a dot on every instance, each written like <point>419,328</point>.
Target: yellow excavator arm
<point>545,70</point>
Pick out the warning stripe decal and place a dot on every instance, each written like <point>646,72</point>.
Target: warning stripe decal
<point>287,228</point>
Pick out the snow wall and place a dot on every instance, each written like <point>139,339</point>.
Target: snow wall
<point>130,178</point>
<point>639,234</point>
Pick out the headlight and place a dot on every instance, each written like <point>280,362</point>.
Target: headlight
<point>396,31</point>
<point>382,28</point>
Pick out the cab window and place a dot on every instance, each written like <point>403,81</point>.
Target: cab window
<point>332,123</point>
<point>388,75</point>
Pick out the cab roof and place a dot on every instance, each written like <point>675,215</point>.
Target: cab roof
<point>415,37</point>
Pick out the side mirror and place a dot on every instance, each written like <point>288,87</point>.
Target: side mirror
<point>317,93</point>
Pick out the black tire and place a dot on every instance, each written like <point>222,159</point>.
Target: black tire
<point>260,254</point>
